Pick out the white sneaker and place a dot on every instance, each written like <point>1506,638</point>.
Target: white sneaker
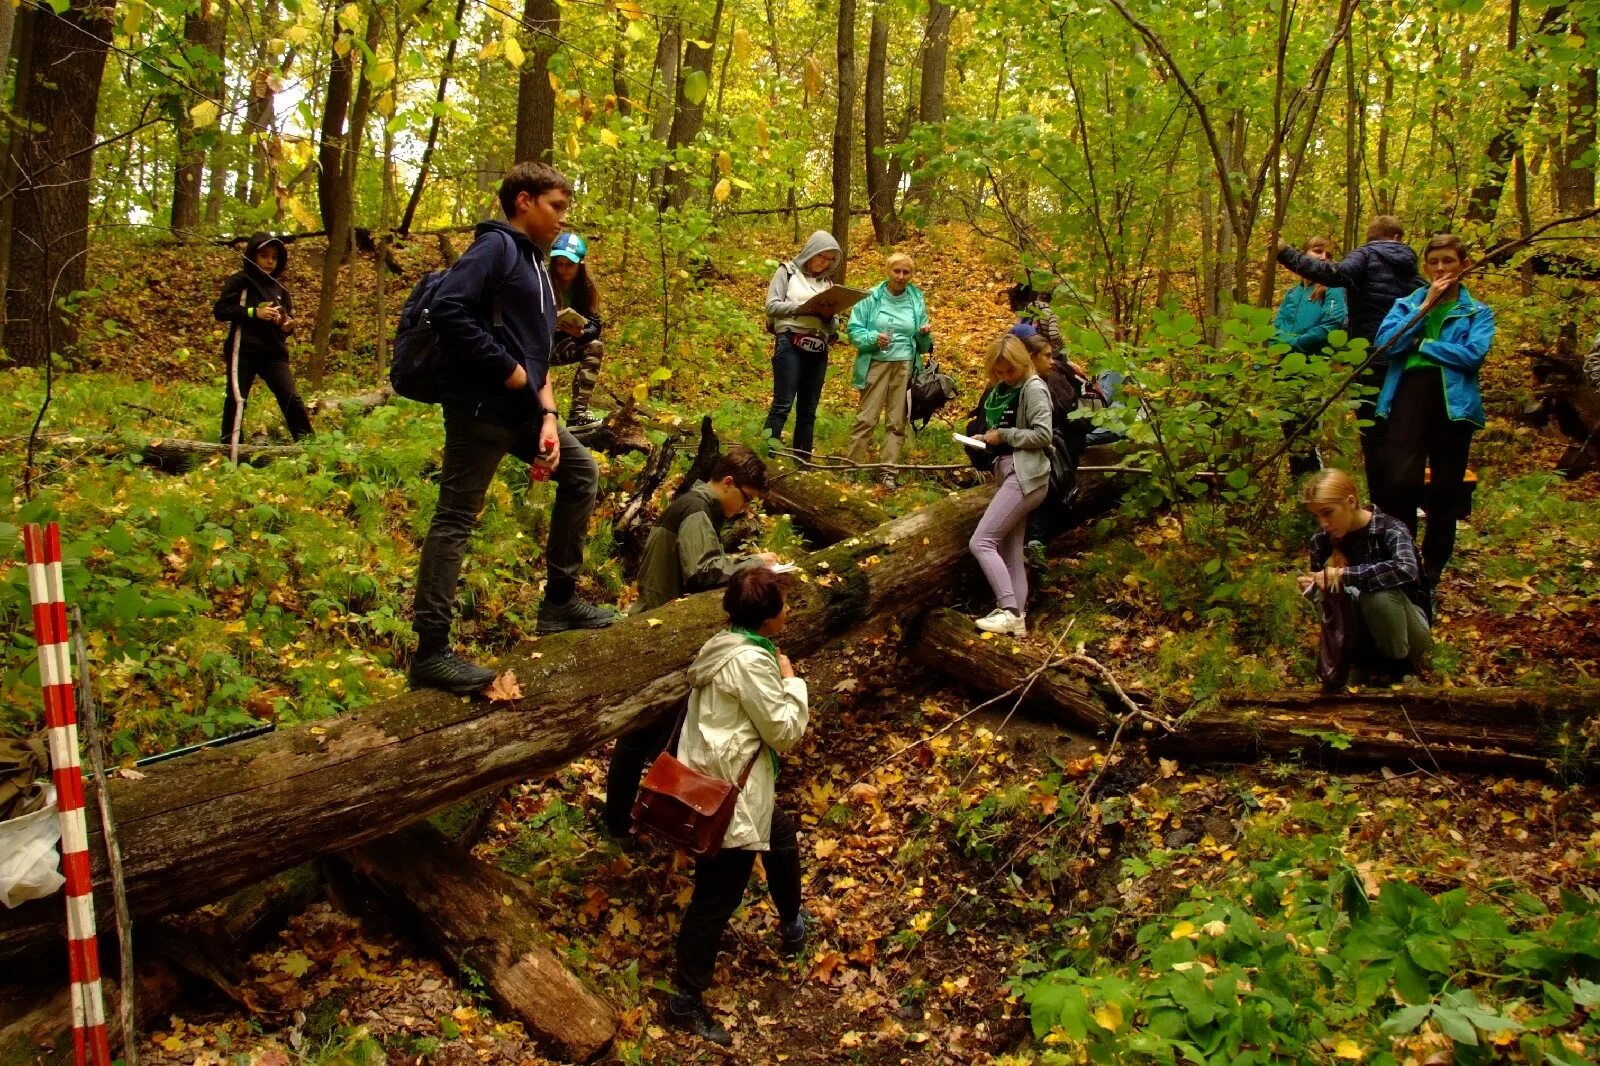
<point>1003,622</point>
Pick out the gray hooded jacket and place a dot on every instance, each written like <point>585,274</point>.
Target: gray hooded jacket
<point>782,305</point>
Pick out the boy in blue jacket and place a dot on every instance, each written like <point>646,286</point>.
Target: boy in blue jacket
<point>891,334</point>
<point>494,312</point>
<point>1431,400</point>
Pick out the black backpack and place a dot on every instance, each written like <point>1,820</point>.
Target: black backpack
<point>418,369</point>
<point>929,390</point>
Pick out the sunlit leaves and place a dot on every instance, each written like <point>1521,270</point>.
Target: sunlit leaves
<point>513,52</point>
<point>694,87</point>
<point>204,113</point>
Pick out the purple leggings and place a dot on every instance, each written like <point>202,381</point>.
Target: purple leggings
<point>998,540</point>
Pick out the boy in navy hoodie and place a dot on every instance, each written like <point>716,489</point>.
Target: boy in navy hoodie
<point>494,312</point>
<point>1373,277</point>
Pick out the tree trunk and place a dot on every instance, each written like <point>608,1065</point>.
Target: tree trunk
<point>930,99</point>
<point>36,1019</point>
<point>1353,112</point>
<point>343,207</point>
<point>886,224</point>
<point>844,126</point>
<point>205,33</point>
<point>1483,202</point>
<point>1488,730</point>
<point>433,126</point>
<point>200,826</point>
<point>485,922</point>
<point>688,112</point>
<point>536,97</point>
<point>21,45</point>
<point>57,97</point>
<point>663,88</point>
<point>259,117</point>
<point>1574,172</point>
<point>331,148</point>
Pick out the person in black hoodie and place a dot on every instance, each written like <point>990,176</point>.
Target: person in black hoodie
<point>260,316</point>
<point>494,312</point>
<point>1373,277</point>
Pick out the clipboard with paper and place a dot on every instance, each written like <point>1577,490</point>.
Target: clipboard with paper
<point>834,300</point>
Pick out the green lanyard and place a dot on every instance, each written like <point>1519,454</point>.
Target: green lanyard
<point>996,404</point>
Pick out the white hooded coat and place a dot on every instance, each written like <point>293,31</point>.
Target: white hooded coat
<point>741,700</point>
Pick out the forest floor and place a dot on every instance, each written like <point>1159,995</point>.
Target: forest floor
<point>950,862</point>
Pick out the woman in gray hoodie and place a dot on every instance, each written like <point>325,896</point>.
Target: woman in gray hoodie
<point>800,346</point>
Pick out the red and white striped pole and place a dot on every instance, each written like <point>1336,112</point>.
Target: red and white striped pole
<point>43,551</point>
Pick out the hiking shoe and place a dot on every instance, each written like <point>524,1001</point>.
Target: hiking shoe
<point>792,936</point>
<point>581,418</point>
<point>1004,622</point>
<point>448,671</point>
<point>888,482</point>
<point>574,614</point>
<point>692,1016</point>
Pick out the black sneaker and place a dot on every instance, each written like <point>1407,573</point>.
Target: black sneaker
<point>691,1016</point>
<point>574,614</point>
<point>448,671</point>
<point>792,936</point>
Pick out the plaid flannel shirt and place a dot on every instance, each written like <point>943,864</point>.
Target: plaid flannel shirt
<point>1382,556</point>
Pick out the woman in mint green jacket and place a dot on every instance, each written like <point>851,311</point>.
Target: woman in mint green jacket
<point>891,333</point>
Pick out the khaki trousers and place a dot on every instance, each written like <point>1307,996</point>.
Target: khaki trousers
<point>884,396</point>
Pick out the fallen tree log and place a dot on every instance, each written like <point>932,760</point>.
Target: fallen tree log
<point>36,1021</point>
<point>484,922</point>
<point>201,825</point>
<point>358,404</point>
<point>1513,731</point>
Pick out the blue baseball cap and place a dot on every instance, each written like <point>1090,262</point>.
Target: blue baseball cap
<point>570,246</point>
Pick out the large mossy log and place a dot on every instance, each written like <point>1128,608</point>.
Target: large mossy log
<point>483,922</point>
<point>36,1019</point>
<point>202,825</point>
<point>1516,731</point>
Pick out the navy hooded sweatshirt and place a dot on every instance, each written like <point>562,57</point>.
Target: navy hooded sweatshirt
<point>250,288</point>
<point>1373,277</point>
<point>502,266</point>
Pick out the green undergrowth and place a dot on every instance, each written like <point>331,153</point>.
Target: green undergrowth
<point>1345,920</point>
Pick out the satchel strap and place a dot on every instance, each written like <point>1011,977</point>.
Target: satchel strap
<point>672,745</point>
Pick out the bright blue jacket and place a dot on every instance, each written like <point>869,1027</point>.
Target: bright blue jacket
<point>864,332</point>
<point>1303,323</point>
<point>1463,344</point>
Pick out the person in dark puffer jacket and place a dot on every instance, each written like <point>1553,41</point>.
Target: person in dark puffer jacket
<point>259,311</point>
<point>1373,277</point>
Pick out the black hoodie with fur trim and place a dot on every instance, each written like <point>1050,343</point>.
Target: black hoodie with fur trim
<point>249,289</point>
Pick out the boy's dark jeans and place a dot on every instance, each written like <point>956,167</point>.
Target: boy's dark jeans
<point>719,885</point>
<point>630,758</point>
<point>1423,436</point>
<point>280,379</point>
<point>1374,438</point>
<point>473,448</point>
<point>796,386</point>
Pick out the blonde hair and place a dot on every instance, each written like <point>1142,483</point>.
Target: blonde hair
<point>1009,350</point>
<point>897,258</point>
<point>1329,485</point>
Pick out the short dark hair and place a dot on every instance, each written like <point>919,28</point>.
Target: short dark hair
<point>755,594</point>
<point>743,465</point>
<point>1385,228</point>
<point>1021,295</point>
<point>1440,241</point>
<point>532,178</point>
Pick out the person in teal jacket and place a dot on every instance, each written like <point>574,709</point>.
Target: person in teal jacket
<point>1309,312</point>
<point>891,333</point>
<point>1431,398</point>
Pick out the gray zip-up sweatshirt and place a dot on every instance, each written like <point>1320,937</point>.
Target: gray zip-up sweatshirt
<point>781,307</point>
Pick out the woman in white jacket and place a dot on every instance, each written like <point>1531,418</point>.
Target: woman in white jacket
<point>745,698</point>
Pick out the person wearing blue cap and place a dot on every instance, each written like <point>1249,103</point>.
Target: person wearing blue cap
<point>575,290</point>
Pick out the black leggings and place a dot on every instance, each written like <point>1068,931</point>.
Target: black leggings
<point>1423,438</point>
<point>280,379</point>
<point>719,884</point>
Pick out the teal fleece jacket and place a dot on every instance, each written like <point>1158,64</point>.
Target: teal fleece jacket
<point>1303,323</point>
<point>863,330</point>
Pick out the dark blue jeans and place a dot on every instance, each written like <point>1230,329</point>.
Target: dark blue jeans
<point>796,386</point>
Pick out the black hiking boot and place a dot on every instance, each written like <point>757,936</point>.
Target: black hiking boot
<point>574,614</point>
<point>691,1016</point>
<point>792,936</point>
<point>581,417</point>
<point>448,671</point>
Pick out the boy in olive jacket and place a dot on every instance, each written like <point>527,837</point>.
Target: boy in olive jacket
<point>684,554</point>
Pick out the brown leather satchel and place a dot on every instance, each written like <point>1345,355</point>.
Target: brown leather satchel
<point>685,806</point>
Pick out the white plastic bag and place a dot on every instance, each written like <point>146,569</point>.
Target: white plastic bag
<point>30,866</point>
